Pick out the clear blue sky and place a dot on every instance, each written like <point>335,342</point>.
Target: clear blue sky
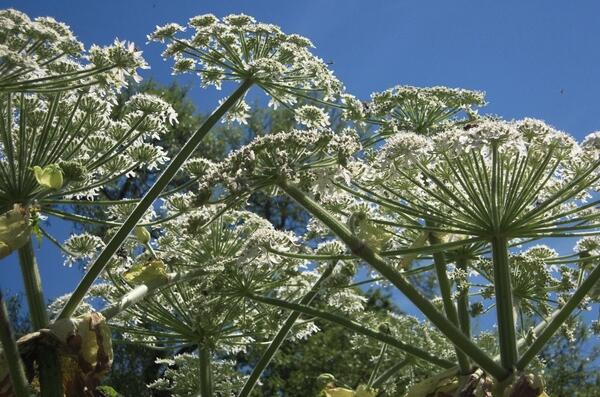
<point>533,58</point>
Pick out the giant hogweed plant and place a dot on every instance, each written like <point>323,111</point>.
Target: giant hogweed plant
<point>435,188</point>
<point>59,144</point>
<point>466,196</point>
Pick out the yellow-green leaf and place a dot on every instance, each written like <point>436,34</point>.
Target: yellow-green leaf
<point>146,273</point>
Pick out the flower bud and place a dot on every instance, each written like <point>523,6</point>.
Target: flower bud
<point>73,171</point>
<point>142,235</point>
<point>51,176</point>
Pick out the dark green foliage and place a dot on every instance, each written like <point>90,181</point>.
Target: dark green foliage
<point>133,368</point>
<point>19,320</point>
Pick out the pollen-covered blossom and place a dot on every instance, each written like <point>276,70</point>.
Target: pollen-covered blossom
<point>239,48</point>
<point>488,133</point>
<point>238,113</point>
<point>588,245</point>
<point>591,147</point>
<point>152,105</point>
<point>122,59</point>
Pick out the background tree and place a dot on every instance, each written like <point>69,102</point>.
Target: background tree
<point>572,364</point>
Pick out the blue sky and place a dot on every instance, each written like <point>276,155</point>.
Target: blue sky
<point>533,58</point>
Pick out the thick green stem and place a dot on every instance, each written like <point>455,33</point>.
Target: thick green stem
<point>439,262</point>
<point>360,249</point>
<point>12,358</point>
<point>33,287</point>
<point>49,366</point>
<point>167,175</point>
<point>504,303</point>
<point>356,327</point>
<point>206,386</point>
<point>464,318</point>
<point>283,332</point>
<point>559,318</point>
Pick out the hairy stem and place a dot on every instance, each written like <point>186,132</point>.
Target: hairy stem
<point>360,249</point>
<point>283,332</point>
<point>206,386</point>
<point>49,367</point>
<point>163,180</point>
<point>33,287</point>
<point>12,359</point>
<point>439,262</point>
<point>504,303</point>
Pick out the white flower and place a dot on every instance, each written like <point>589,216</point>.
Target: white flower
<point>312,117</point>
<point>404,148</point>
<point>81,247</point>
<point>237,48</point>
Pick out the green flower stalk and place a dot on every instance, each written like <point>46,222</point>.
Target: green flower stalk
<point>366,253</point>
<point>281,335</point>
<point>243,56</point>
<point>446,290</point>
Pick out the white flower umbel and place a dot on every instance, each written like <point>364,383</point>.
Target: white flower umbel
<point>43,55</point>
<point>235,252</point>
<point>423,110</point>
<point>239,48</point>
<point>75,131</point>
<point>290,155</point>
<point>312,117</point>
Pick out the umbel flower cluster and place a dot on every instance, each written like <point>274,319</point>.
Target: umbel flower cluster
<point>43,55</point>
<point>428,190</point>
